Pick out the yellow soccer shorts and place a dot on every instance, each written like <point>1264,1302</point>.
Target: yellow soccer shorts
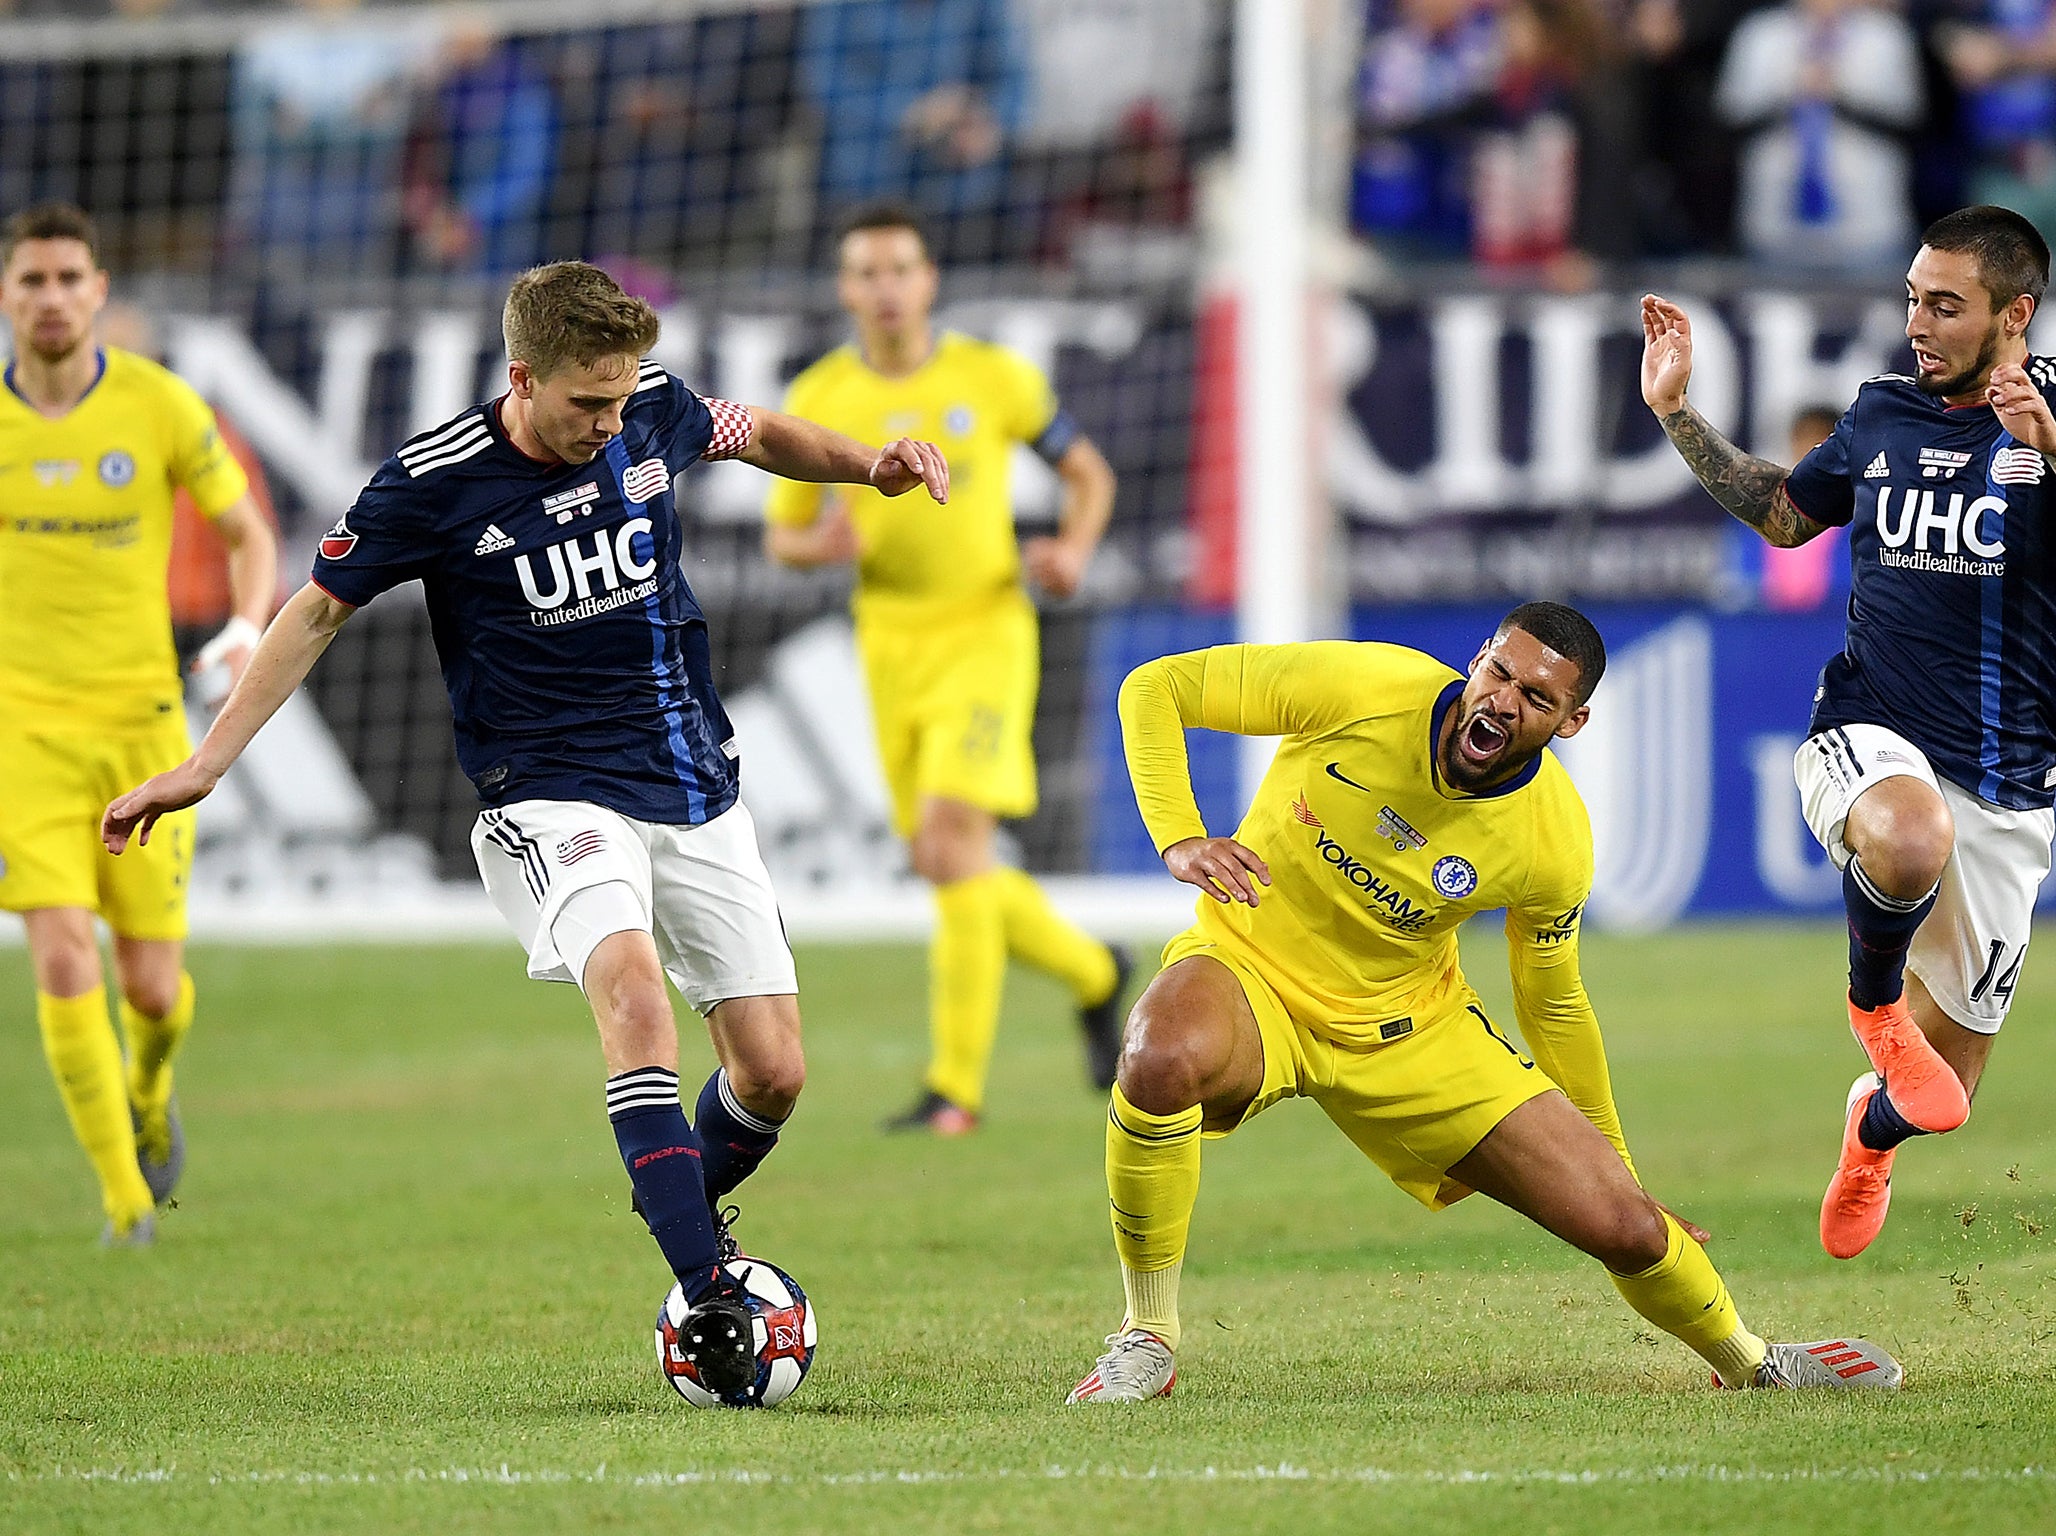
<point>1415,1105</point>
<point>54,784</point>
<point>954,706</point>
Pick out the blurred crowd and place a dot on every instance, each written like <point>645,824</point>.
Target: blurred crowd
<point>371,140</point>
<point>1814,137</point>
<point>1811,136</point>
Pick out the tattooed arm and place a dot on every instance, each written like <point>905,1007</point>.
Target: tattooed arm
<point>1751,489</point>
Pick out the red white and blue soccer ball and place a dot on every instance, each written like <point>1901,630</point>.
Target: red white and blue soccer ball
<point>782,1321</point>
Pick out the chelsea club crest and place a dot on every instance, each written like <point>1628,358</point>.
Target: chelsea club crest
<point>117,469</point>
<point>1454,877</point>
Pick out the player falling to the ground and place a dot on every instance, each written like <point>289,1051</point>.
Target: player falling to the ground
<point>544,530</point>
<point>948,637</point>
<point>1404,798</point>
<point>94,446</point>
<point>1929,768</point>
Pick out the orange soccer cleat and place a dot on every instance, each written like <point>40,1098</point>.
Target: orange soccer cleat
<point>1852,1213</point>
<point>1925,1088</point>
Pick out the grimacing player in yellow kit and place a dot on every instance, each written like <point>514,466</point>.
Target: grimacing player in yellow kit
<point>1403,798</point>
<point>949,638</point>
<point>94,442</point>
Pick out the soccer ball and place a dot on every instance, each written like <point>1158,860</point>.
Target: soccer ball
<point>782,1320</point>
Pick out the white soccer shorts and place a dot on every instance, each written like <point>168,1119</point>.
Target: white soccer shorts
<point>1969,951</point>
<point>566,873</point>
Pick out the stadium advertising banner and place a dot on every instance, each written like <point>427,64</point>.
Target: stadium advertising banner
<point>1686,764</point>
<point>1481,447</point>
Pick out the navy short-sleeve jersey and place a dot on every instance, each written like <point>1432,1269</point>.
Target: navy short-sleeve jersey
<point>573,649</point>
<point>1951,635</point>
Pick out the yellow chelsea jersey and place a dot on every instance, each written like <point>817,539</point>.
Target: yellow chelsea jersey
<point>1374,862</point>
<point>975,401</point>
<point>85,539</point>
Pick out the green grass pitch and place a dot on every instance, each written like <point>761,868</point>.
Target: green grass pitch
<point>404,1291</point>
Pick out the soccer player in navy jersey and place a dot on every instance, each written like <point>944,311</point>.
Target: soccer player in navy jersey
<point>1929,770</point>
<point>543,528</point>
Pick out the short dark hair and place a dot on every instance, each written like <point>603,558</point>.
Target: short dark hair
<point>1568,633</point>
<point>2012,257</point>
<point>50,221</point>
<point>887,213</point>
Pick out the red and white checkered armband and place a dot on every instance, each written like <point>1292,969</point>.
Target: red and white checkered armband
<point>732,428</point>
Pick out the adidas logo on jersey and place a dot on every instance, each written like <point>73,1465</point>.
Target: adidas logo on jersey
<point>1877,468</point>
<point>492,541</point>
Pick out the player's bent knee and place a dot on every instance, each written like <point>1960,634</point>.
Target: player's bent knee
<point>1904,834</point>
<point>152,997</point>
<point>771,1085</point>
<point>1634,1238</point>
<point>1163,1068</point>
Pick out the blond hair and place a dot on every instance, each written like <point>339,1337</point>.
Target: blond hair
<point>572,312</point>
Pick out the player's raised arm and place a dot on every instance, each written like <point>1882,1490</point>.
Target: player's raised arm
<point>803,450</point>
<point>281,662</point>
<point>1751,489</point>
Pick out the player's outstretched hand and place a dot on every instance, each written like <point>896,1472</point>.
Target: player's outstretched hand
<point>1666,355</point>
<point>907,462</point>
<point>2021,409</point>
<point>136,812</point>
<point>1055,565</point>
<point>1220,866</point>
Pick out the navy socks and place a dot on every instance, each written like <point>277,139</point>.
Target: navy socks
<point>1883,1127</point>
<point>664,1161</point>
<point>733,1137</point>
<point>1881,928</point>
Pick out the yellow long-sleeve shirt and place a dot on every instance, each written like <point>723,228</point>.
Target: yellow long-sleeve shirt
<point>1374,861</point>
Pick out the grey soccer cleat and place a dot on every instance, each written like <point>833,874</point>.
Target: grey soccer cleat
<point>142,1235</point>
<point>162,1159</point>
<point>1136,1367</point>
<point>1830,1363</point>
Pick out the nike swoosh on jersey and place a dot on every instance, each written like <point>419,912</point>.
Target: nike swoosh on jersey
<point>1335,772</point>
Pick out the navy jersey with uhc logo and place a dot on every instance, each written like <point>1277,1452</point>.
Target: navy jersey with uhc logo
<point>574,651</point>
<point>1952,634</point>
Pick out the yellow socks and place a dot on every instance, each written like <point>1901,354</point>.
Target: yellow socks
<point>1684,1296</point>
<point>151,1045</point>
<point>1045,939</point>
<point>967,968</point>
<point>78,1039</point>
<point>1152,1185</point>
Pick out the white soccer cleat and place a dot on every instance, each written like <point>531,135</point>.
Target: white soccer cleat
<point>1136,1367</point>
<point>1831,1363</point>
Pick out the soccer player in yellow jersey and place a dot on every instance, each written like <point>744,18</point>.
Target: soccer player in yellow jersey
<point>94,444</point>
<point>1403,798</point>
<point>948,637</point>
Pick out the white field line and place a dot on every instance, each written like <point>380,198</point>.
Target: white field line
<point>506,1475</point>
